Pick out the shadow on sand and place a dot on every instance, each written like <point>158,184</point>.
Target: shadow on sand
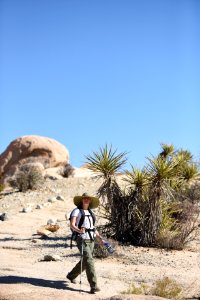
<point>55,284</point>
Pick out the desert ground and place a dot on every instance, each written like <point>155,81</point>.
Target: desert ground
<point>24,274</point>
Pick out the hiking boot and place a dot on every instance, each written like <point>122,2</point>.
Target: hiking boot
<point>94,290</point>
<point>72,280</point>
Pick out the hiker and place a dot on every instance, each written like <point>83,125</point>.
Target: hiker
<point>85,235</point>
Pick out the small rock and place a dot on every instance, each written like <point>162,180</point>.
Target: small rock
<point>39,206</point>
<point>51,177</point>
<point>52,221</point>
<point>26,209</point>
<point>34,241</point>
<point>53,257</point>
<point>4,216</point>
<point>61,198</point>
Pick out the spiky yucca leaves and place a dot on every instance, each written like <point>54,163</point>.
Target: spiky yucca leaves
<point>190,172</point>
<point>167,150</point>
<point>186,156</point>
<point>136,177</point>
<point>160,169</point>
<point>106,162</point>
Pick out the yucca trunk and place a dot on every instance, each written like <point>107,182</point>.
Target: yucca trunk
<point>154,217</point>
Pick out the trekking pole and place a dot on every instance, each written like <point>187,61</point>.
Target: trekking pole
<point>81,263</point>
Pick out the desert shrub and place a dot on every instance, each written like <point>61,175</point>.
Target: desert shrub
<point>143,289</point>
<point>67,171</point>
<point>28,177</point>
<point>167,288</point>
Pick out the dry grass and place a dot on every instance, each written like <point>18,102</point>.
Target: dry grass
<point>165,287</point>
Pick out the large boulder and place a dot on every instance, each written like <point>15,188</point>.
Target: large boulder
<point>32,149</point>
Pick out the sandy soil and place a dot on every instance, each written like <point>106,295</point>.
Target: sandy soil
<point>24,274</point>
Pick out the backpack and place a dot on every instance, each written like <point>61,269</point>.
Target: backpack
<point>76,234</point>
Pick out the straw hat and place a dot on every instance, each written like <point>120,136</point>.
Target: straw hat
<point>94,201</point>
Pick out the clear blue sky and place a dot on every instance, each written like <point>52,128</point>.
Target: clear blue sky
<point>86,73</point>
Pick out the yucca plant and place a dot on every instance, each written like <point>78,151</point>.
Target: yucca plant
<point>106,162</point>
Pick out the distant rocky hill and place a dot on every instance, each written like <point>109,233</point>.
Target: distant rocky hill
<point>31,149</point>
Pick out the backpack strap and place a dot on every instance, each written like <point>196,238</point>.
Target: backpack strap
<point>93,219</point>
<point>92,215</point>
<point>82,218</point>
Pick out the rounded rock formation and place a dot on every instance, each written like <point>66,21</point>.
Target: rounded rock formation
<point>32,149</point>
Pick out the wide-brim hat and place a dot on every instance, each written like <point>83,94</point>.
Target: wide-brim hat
<point>94,200</point>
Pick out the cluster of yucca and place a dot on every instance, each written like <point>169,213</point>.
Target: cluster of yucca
<point>155,206</point>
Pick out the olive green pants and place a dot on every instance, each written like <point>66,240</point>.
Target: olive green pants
<point>87,262</point>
